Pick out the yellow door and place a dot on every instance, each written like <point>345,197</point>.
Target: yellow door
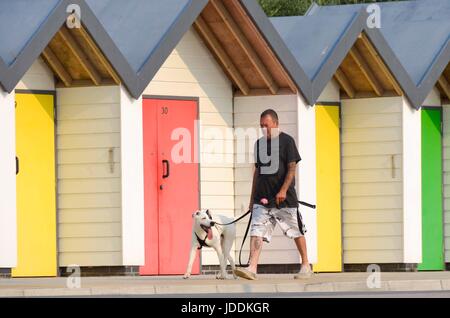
<point>36,201</point>
<point>329,223</point>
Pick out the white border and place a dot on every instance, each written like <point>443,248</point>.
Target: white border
<point>307,182</point>
<point>412,184</point>
<point>132,163</point>
<point>8,215</point>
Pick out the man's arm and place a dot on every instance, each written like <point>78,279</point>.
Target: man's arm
<point>281,196</point>
<point>252,196</point>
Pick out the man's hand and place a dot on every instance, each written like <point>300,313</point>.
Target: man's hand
<point>281,197</point>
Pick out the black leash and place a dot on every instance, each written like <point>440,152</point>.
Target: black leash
<point>235,221</point>
<point>309,205</point>
<point>243,241</point>
<point>312,206</point>
<point>245,235</point>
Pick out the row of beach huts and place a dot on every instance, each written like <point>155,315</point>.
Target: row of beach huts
<point>91,92</point>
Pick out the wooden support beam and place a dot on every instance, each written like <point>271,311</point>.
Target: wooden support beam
<point>344,83</point>
<point>211,39</point>
<point>373,81</point>
<point>365,40</point>
<point>265,92</point>
<point>444,85</point>
<point>245,45</point>
<point>87,83</point>
<point>57,67</point>
<point>99,55</point>
<point>257,33</point>
<point>82,58</point>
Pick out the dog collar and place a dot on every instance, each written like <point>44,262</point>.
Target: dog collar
<point>209,235</point>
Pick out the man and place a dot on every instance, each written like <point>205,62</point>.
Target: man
<point>274,198</point>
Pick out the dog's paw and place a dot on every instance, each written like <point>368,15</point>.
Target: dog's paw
<point>187,276</point>
<point>221,277</point>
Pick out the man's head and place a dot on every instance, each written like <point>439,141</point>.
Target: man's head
<point>269,123</point>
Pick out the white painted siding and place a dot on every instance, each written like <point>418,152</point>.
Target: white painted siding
<point>433,99</point>
<point>8,213</point>
<point>372,186</point>
<point>38,77</point>
<point>446,153</point>
<point>192,71</point>
<point>331,93</point>
<point>89,176</point>
<point>247,114</point>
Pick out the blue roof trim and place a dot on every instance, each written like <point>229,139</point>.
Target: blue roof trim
<point>356,24</point>
<point>135,71</point>
<point>407,27</point>
<point>338,54</point>
<point>275,41</point>
<point>11,74</point>
<point>24,19</point>
<point>170,41</point>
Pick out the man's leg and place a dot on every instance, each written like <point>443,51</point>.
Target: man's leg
<point>255,251</point>
<point>301,246</point>
<point>261,230</point>
<point>305,270</point>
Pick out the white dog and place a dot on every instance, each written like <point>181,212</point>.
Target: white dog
<point>206,232</point>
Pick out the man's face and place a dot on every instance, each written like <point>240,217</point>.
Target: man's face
<point>268,126</point>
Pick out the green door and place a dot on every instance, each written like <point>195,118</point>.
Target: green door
<point>432,200</point>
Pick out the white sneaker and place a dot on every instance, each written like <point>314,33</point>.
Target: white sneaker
<point>305,273</point>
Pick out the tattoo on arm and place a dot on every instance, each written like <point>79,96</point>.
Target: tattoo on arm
<point>289,176</point>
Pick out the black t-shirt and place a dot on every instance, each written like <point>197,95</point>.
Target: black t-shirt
<point>271,178</point>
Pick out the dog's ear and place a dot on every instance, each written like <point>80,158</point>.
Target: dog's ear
<point>209,214</point>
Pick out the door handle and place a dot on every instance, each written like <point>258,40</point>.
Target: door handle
<point>17,165</point>
<point>393,167</point>
<point>167,170</point>
<point>111,159</point>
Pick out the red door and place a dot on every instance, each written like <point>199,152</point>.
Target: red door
<point>171,184</point>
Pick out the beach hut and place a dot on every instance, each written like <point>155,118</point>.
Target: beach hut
<point>369,194</point>
<point>95,95</point>
<point>391,197</point>
<point>62,101</point>
<point>421,41</point>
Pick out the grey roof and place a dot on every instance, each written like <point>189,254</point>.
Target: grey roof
<point>28,17</point>
<point>320,42</point>
<point>25,29</point>
<point>136,28</point>
<point>279,46</point>
<point>146,31</point>
<point>418,32</point>
<point>311,39</point>
<point>136,36</point>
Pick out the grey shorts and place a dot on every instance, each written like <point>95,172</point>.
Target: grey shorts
<point>264,221</point>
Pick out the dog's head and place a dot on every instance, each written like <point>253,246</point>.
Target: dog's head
<point>203,218</point>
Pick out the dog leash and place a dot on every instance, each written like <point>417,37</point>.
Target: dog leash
<point>309,205</point>
<point>312,206</point>
<point>235,221</point>
<point>245,235</point>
